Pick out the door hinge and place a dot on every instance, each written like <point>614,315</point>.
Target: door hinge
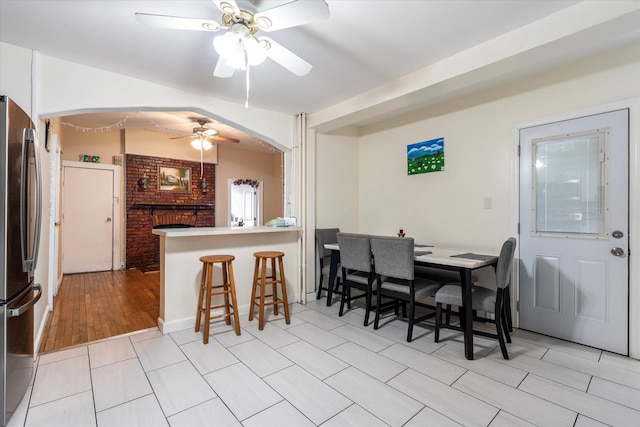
<point>518,150</point>
<point>518,228</point>
<point>518,306</point>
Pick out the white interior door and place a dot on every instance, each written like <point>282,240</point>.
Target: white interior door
<point>87,221</point>
<point>574,227</point>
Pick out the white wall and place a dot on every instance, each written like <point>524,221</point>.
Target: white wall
<point>59,87</point>
<point>336,182</point>
<point>447,207</point>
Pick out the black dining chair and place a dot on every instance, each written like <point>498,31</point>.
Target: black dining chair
<point>357,271</point>
<point>323,255</point>
<point>394,267</point>
<point>484,299</point>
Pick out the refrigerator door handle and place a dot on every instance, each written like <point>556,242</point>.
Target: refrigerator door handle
<point>29,260</point>
<point>18,311</point>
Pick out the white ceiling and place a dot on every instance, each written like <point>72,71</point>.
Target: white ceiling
<point>363,45</point>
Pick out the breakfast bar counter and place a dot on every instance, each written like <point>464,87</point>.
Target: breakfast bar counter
<point>181,270</point>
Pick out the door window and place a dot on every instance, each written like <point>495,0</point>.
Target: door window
<point>570,185</point>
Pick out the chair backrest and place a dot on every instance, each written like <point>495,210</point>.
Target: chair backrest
<point>355,251</point>
<point>324,236</point>
<point>505,263</point>
<point>393,256</point>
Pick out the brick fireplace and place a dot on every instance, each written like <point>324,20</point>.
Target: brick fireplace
<point>151,207</point>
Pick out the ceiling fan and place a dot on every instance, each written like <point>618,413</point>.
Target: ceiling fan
<point>240,46</point>
<point>202,136</point>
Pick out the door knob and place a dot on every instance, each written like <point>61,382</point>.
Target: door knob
<point>108,219</point>
<point>617,251</point>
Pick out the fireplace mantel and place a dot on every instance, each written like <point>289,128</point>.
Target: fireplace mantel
<point>173,206</point>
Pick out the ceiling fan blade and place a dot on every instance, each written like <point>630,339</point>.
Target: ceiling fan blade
<point>222,138</point>
<point>292,14</point>
<point>227,6</point>
<point>285,57</point>
<point>210,132</point>
<point>222,69</point>
<point>177,22</point>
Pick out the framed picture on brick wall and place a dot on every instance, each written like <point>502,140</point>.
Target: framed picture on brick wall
<point>174,179</point>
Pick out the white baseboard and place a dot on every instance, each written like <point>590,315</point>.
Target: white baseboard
<point>43,323</point>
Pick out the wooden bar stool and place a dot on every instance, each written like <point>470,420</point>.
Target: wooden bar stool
<point>208,291</point>
<point>261,280</point>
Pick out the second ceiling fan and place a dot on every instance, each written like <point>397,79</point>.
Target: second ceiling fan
<point>241,46</point>
<point>203,133</point>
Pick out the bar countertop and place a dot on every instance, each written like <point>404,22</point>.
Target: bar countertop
<point>212,231</point>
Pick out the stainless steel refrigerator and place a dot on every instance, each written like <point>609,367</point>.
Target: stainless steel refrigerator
<point>20,212</point>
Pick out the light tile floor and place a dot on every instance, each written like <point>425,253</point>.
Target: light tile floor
<point>331,371</point>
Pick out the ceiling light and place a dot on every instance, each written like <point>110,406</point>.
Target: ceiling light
<point>239,49</point>
<point>199,144</point>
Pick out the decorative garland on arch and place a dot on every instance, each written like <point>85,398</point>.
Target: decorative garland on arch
<point>251,182</point>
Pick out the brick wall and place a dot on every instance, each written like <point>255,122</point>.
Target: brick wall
<point>143,248</point>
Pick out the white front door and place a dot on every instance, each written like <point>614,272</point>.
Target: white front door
<point>574,224</point>
<point>87,225</point>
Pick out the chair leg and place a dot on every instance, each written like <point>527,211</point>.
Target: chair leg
<point>285,298</point>
<point>226,287</point>
<point>319,294</point>
<point>378,304</point>
<point>447,319</point>
<point>368,308</point>
<point>201,297</point>
<point>342,299</point>
<point>499,313</point>
<point>207,298</point>
<point>507,309</point>
<point>234,300</point>
<point>263,289</point>
<point>503,346</point>
<point>274,288</point>
<point>412,310</point>
<point>436,336</point>
<point>253,289</point>
<point>505,324</point>
<point>507,335</point>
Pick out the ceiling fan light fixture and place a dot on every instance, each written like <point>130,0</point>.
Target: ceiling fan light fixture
<point>255,53</point>
<point>227,44</point>
<point>201,144</point>
<point>237,48</point>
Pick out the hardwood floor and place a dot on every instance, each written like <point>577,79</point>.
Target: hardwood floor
<point>93,306</point>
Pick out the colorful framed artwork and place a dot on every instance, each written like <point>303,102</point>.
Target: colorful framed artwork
<point>425,156</point>
<point>174,179</point>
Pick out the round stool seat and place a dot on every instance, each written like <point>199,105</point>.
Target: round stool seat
<point>217,258</point>
<point>268,254</point>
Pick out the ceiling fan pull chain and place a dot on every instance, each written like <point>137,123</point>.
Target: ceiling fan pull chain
<point>201,159</point>
<point>246,103</point>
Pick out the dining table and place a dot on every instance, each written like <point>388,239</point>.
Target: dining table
<point>460,260</point>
